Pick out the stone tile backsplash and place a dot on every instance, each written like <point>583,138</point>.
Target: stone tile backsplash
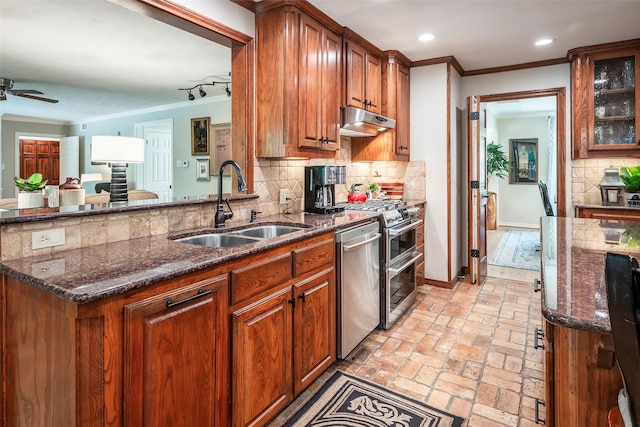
<point>587,174</point>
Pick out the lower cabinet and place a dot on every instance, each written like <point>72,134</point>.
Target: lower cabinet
<point>281,344</point>
<point>174,357</point>
<point>582,379</point>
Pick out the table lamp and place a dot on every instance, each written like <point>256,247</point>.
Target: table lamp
<point>117,151</point>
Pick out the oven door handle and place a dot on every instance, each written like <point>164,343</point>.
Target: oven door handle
<point>348,248</point>
<point>414,224</point>
<point>416,256</point>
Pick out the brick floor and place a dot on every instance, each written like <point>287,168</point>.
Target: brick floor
<point>467,350</point>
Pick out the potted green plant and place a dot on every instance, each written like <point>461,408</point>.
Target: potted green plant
<point>30,194</point>
<point>630,175</point>
<point>372,190</point>
<point>497,165</point>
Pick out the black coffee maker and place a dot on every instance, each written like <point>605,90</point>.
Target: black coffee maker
<point>319,188</point>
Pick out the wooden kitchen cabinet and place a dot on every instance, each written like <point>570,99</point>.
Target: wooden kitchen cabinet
<point>289,332</point>
<point>362,75</point>
<point>131,359</point>
<point>299,82</point>
<point>582,379</point>
<point>393,144</point>
<point>175,352</point>
<point>606,100</point>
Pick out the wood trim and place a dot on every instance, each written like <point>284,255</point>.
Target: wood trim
<point>561,143</point>
<point>440,283</point>
<point>397,56</point>
<point>516,67</point>
<point>441,60</point>
<point>247,4</point>
<point>625,44</point>
<point>449,245</point>
<point>348,33</point>
<point>305,7</point>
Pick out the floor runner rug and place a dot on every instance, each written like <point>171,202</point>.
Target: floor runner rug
<point>348,401</point>
<point>517,249</point>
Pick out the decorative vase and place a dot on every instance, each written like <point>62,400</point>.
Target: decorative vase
<point>30,199</point>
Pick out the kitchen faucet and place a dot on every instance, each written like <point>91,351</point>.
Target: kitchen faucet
<point>221,215</point>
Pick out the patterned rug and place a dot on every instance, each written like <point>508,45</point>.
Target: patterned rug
<point>348,401</point>
<point>517,249</point>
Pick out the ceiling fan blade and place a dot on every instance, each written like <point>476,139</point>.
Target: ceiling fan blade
<point>37,98</point>
<point>31,91</point>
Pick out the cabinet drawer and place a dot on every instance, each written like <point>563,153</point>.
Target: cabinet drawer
<point>258,277</point>
<point>312,257</point>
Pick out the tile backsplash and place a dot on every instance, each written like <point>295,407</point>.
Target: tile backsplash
<point>587,174</point>
<point>269,177</point>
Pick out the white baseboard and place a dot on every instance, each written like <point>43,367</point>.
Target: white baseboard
<point>517,225</point>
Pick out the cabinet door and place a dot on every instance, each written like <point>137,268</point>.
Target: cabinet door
<point>355,89</point>
<point>373,90</point>
<point>331,90</point>
<point>402,146</point>
<point>175,357</point>
<point>309,81</point>
<point>262,353</point>
<point>314,328</point>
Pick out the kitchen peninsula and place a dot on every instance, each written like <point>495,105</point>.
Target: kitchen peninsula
<point>582,379</point>
<point>98,335</point>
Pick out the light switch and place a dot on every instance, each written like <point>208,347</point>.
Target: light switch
<point>185,164</point>
<point>178,163</point>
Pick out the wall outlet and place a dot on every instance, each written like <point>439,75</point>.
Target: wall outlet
<point>284,195</point>
<point>47,238</point>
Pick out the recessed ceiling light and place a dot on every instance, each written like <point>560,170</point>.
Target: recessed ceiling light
<point>543,42</point>
<point>426,37</point>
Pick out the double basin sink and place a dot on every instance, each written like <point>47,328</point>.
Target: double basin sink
<point>240,237</point>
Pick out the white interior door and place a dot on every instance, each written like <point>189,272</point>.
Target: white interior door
<point>158,163</point>
<point>69,157</point>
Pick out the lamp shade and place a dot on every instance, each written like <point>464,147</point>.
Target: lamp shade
<point>117,149</point>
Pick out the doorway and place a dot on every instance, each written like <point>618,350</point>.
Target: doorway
<point>156,173</point>
<point>555,173</point>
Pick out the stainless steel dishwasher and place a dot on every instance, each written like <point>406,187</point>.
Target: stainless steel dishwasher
<point>358,259</point>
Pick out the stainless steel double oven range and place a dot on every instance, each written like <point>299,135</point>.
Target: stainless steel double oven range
<point>399,256</point>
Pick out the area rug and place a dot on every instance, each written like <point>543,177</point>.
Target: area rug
<point>345,400</point>
<point>517,249</point>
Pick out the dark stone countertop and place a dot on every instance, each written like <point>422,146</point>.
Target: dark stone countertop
<point>574,291</point>
<point>98,272</point>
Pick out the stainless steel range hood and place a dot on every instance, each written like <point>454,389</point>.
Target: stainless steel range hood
<point>362,123</point>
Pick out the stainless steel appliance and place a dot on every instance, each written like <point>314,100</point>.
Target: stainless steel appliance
<point>358,122</point>
<point>319,188</point>
<point>358,258</point>
<point>398,257</point>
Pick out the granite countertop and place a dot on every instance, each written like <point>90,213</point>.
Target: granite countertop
<point>574,291</point>
<point>98,272</point>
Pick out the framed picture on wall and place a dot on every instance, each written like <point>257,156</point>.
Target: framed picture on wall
<point>523,156</point>
<point>200,136</point>
<point>202,169</point>
<point>220,146</point>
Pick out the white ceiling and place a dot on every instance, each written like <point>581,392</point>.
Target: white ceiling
<point>100,59</point>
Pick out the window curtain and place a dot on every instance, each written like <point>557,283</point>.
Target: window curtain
<point>552,176</point>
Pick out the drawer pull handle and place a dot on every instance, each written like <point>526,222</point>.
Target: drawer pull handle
<point>201,293</point>
<point>536,285</point>
<point>536,339</point>
<point>537,412</point>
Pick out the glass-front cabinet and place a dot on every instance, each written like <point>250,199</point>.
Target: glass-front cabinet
<point>605,100</point>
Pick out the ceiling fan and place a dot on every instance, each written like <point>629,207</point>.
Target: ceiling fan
<point>6,86</point>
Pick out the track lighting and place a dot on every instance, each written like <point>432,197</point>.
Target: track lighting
<point>201,91</point>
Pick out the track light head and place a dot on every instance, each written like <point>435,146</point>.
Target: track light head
<point>191,97</point>
<point>202,92</point>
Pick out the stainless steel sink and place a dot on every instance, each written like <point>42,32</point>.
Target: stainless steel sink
<point>232,238</point>
<point>268,231</point>
<point>218,240</point>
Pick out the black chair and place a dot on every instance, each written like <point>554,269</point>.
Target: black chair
<point>623,286</point>
<point>103,186</point>
<point>544,193</point>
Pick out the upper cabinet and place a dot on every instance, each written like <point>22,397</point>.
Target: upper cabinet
<point>362,77</point>
<point>606,100</point>
<point>299,84</point>
<point>392,144</point>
